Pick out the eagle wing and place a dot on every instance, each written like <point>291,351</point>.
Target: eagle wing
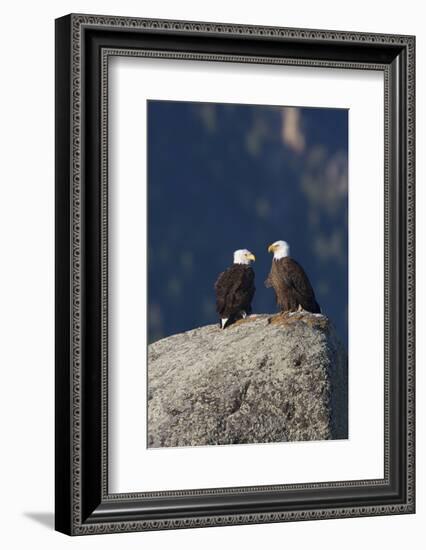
<point>234,290</point>
<point>296,280</point>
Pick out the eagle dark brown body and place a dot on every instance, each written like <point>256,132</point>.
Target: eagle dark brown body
<point>291,285</point>
<point>234,293</point>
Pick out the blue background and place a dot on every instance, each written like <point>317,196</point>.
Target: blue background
<point>225,176</point>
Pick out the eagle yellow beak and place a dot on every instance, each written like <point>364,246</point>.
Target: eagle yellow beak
<point>251,257</point>
<point>271,248</point>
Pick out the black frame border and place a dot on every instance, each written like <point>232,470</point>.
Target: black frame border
<point>83,45</point>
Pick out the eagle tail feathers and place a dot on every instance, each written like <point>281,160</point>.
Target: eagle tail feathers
<point>228,321</point>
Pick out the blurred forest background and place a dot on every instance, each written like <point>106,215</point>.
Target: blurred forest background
<point>226,176</point>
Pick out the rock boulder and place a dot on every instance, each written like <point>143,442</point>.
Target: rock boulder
<point>265,379</point>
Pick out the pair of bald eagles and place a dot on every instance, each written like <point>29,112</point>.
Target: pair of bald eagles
<point>235,286</point>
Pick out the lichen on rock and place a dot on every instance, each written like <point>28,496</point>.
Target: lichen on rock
<point>265,379</point>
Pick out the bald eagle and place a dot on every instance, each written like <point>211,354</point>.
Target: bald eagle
<point>293,291</point>
<point>235,289</point>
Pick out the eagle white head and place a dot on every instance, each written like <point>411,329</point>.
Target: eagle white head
<point>243,256</point>
<point>281,249</point>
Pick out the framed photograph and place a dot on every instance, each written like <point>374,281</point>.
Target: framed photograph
<point>234,274</point>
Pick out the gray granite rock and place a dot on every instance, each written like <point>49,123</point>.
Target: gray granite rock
<point>264,379</point>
